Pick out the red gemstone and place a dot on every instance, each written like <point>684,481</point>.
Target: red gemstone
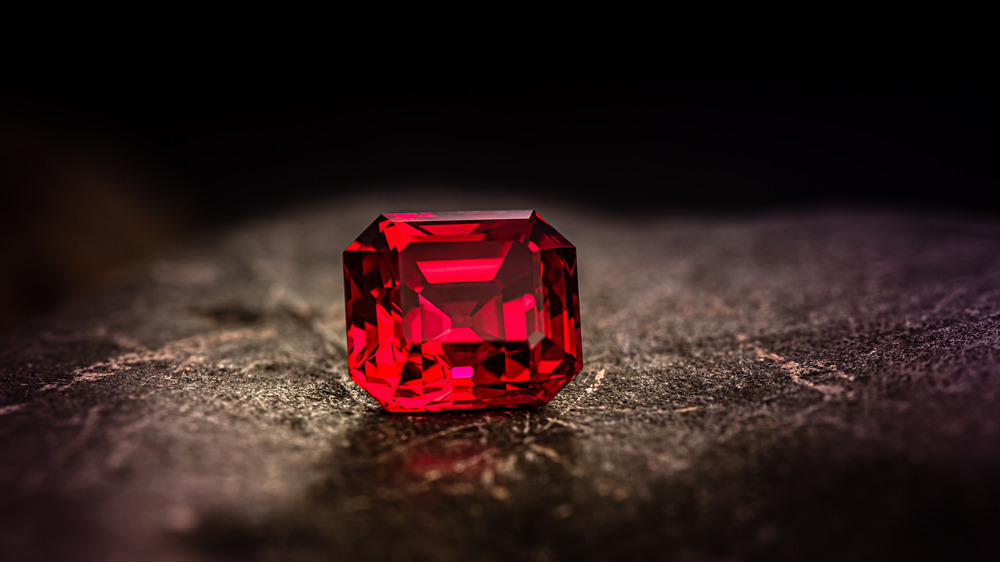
<point>461,310</point>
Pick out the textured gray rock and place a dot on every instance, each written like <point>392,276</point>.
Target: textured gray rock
<point>786,385</point>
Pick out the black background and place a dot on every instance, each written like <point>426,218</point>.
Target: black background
<point>902,136</point>
<point>174,147</point>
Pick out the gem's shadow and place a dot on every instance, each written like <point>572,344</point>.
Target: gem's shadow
<point>443,485</point>
<point>484,454</point>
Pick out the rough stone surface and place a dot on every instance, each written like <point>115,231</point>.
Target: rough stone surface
<point>786,385</point>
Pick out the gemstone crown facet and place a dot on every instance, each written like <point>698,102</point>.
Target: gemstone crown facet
<point>462,310</point>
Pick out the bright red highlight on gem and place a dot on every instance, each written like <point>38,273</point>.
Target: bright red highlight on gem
<point>457,271</point>
<point>462,310</point>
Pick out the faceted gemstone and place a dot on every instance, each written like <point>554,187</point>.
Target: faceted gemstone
<point>461,310</point>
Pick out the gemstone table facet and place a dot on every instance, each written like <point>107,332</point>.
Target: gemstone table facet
<point>462,310</point>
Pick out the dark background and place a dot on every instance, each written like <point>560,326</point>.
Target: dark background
<point>103,166</point>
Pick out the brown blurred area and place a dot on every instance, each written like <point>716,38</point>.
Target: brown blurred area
<point>80,208</point>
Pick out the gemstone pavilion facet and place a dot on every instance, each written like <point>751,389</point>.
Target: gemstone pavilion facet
<point>461,310</point>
